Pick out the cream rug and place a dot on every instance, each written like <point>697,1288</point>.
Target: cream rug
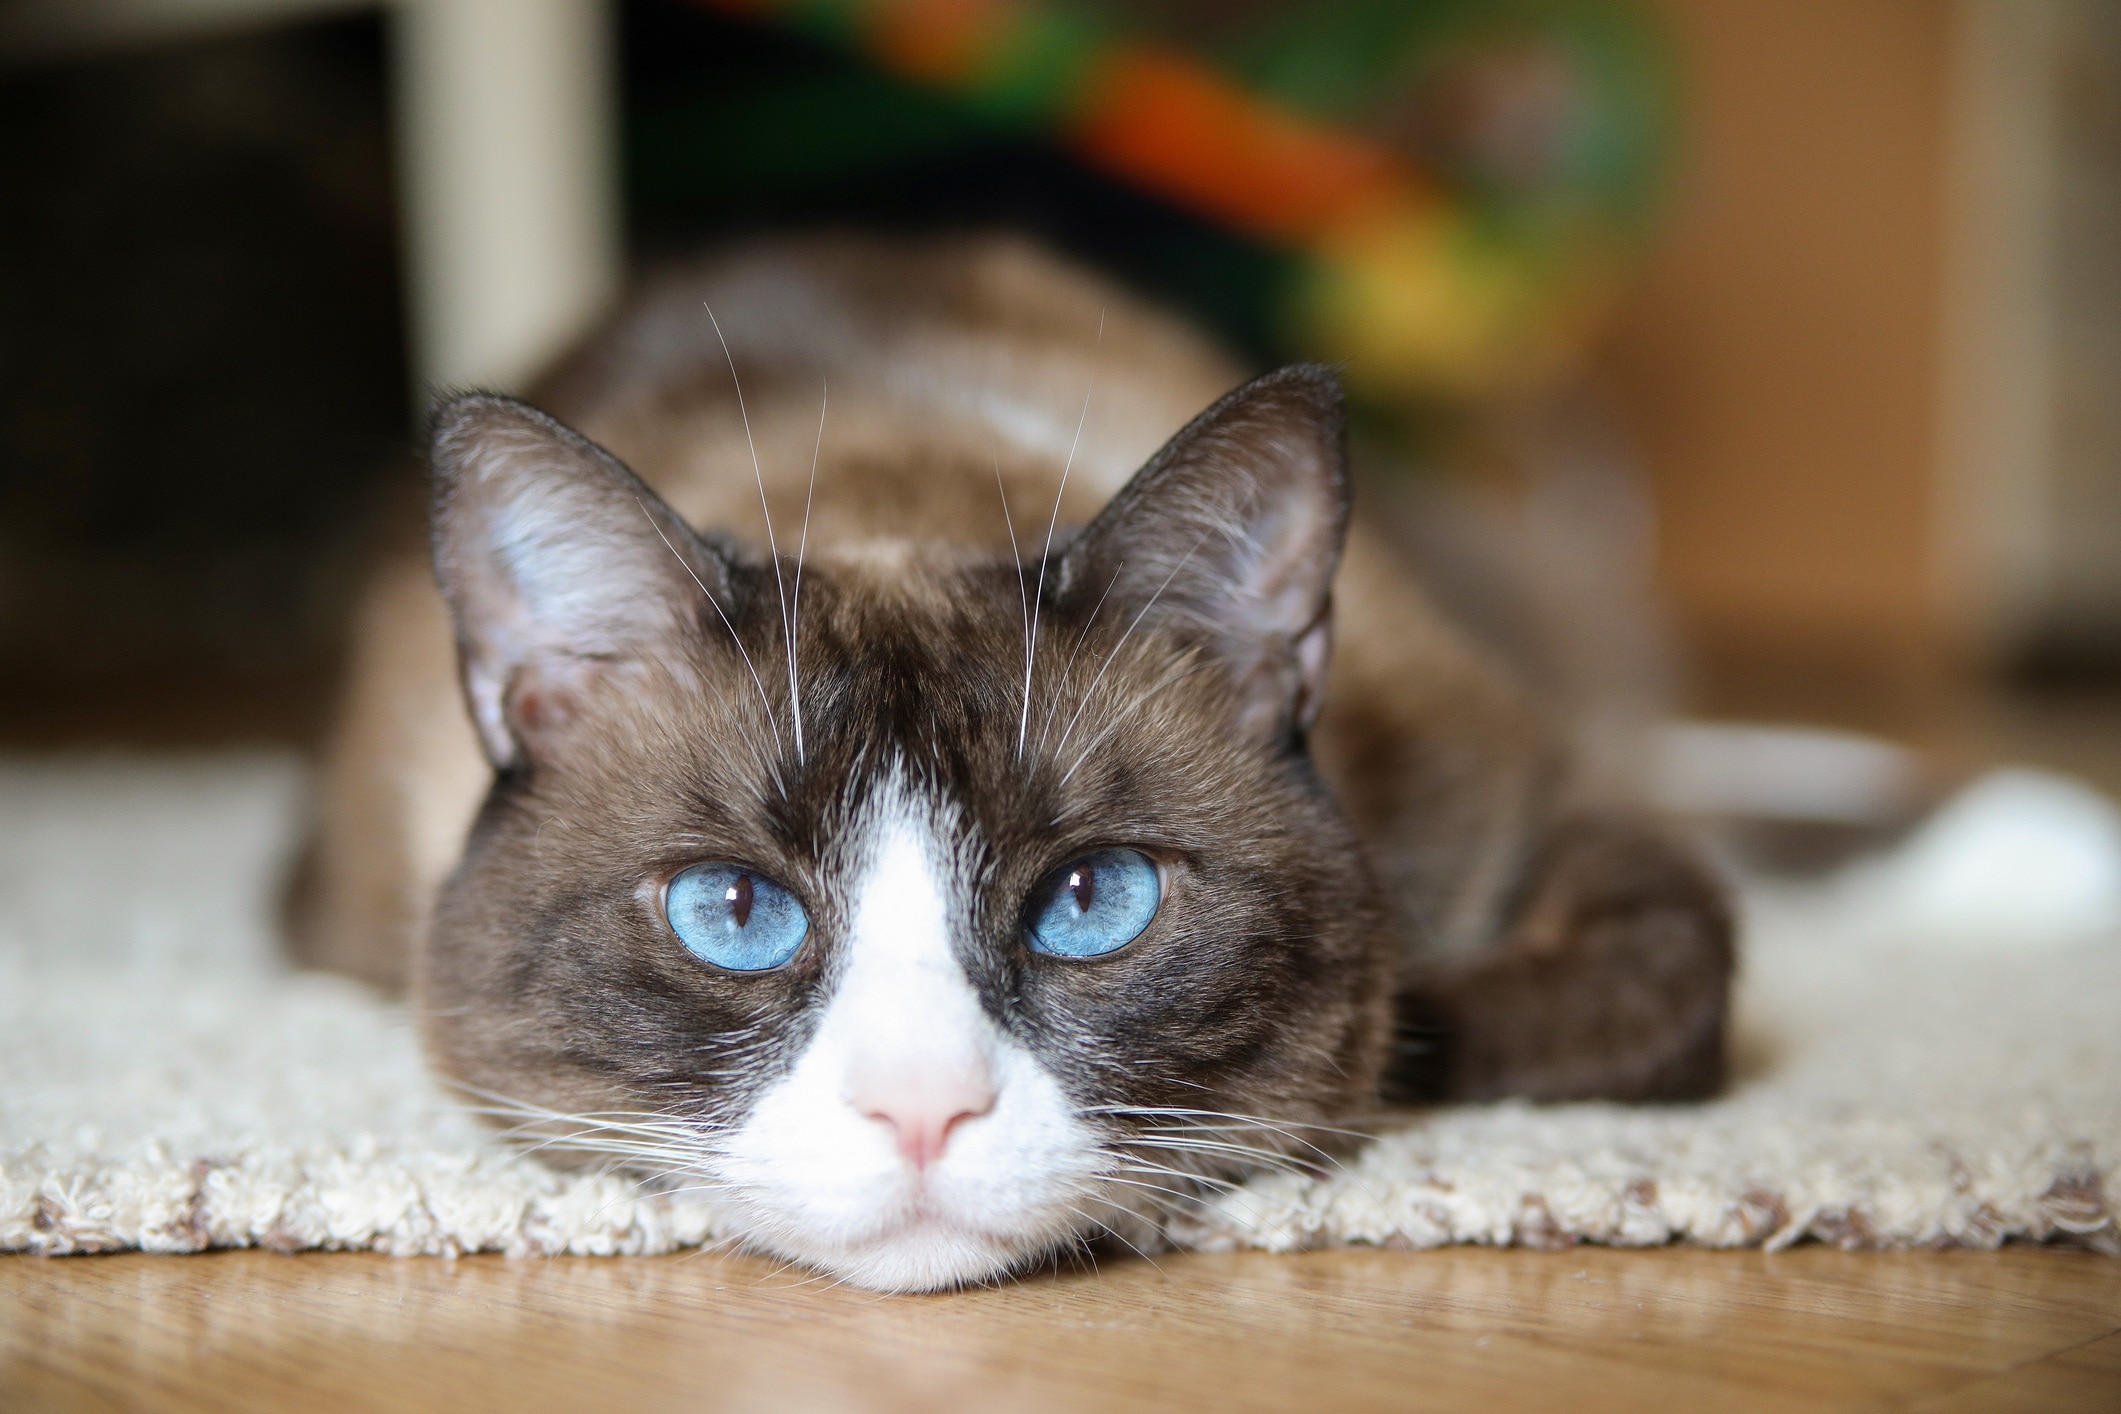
<point>1929,1054</point>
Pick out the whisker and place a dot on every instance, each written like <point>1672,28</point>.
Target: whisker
<point>716,1186</point>
<point>1252,1127</point>
<point>618,1130</point>
<point>1224,1190</point>
<point>1090,691</point>
<point>1201,1135</point>
<point>652,1146</point>
<point>1165,1171</point>
<point>654,1124</point>
<point>772,722</point>
<point>1115,1234</point>
<point>1075,1253</point>
<point>1053,709</point>
<point>659,1192</point>
<point>1234,1117</point>
<point>1320,1164</point>
<point>531,1108</point>
<point>642,1122</point>
<point>1172,1141</point>
<point>1171,678</point>
<point>1023,726</point>
<point>589,1139</point>
<point>773,548</point>
<point>1023,591</point>
<point>720,1246</point>
<point>1265,1158</point>
<point>795,692</point>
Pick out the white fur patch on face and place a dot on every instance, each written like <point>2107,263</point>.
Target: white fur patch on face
<point>913,1145</point>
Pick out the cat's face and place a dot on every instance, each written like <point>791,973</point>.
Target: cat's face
<point>972,972</point>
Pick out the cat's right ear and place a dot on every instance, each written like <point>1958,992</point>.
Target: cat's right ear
<point>1231,535</point>
<point>559,566</point>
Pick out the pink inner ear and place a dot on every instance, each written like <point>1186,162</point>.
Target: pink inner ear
<point>544,703</point>
<point>1294,538</point>
<point>551,555</point>
<point>1235,529</point>
<point>1314,650</point>
<point>531,710</point>
<point>1283,682</point>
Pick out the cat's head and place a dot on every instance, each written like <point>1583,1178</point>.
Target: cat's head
<point>935,911</point>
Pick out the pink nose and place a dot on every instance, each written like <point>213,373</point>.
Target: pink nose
<point>924,1114</point>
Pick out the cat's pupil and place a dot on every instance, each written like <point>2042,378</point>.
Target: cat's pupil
<point>1082,883</point>
<point>738,897</point>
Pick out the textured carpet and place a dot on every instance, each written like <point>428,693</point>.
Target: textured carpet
<point>1907,1075</point>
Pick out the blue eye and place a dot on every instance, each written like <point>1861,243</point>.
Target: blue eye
<point>1098,904</point>
<point>734,918</point>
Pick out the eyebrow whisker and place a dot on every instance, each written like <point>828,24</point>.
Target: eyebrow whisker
<point>773,549</point>
<point>766,705</point>
<point>795,691</point>
<point>1023,726</point>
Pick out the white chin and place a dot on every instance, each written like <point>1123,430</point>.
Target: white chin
<point>926,1255</point>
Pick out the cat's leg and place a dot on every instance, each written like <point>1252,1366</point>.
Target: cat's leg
<point>1553,951</point>
<point>1609,980</point>
<point>399,780</point>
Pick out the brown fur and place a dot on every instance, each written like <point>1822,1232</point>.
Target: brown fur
<point>1540,946</point>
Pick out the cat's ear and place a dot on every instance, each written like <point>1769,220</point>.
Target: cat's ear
<point>559,567</point>
<point>1232,534</point>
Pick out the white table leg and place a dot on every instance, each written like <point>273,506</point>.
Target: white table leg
<point>505,114</point>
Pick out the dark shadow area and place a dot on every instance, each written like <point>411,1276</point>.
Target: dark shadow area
<point>201,373</point>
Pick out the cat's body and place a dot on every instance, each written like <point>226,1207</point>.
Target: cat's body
<point>920,712</point>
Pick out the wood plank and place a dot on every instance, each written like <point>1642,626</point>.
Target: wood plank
<point>2082,1380</point>
<point>1589,1329</point>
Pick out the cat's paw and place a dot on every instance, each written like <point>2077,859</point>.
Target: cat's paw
<point>1611,981</point>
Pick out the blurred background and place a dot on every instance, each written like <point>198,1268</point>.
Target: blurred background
<point>1803,315</point>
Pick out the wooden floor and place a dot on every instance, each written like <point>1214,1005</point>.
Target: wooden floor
<point>1472,1329</point>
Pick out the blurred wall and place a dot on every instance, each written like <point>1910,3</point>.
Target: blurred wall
<point>1779,358</point>
<point>2073,627</point>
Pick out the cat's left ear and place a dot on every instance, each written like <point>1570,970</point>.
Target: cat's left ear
<point>560,569</point>
<point>1232,534</point>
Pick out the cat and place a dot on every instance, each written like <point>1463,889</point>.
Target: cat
<point>921,776</point>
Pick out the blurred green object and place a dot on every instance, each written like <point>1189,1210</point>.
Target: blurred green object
<point>1510,101</point>
<point>1550,125</point>
<point>1447,192</point>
